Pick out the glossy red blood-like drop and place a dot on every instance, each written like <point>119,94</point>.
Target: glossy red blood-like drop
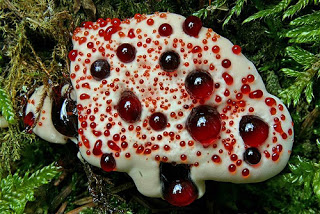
<point>181,193</point>
<point>64,115</point>
<point>252,156</point>
<point>204,124</point>
<point>226,63</point>
<point>192,26</point>
<point>129,107</point>
<point>126,52</point>
<point>107,162</point>
<point>100,69</point>
<point>253,130</point>
<point>236,49</point>
<point>199,84</point>
<point>169,61</point>
<point>28,121</point>
<point>97,148</point>
<point>165,29</point>
<point>73,55</point>
<point>158,121</point>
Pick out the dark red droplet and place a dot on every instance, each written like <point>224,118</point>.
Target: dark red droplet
<point>236,49</point>
<point>100,69</point>
<point>97,148</point>
<point>253,130</point>
<point>252,156</point>
<point>270,101</point>
<point>113,146</point>
<point>107,162</point>
<point>73,55</point>
<point>204,124</point>
<point>158,121</point>
<point>131,34</point>
<point>28,121</point>
<point>181,193</point>
<point>169,61</point>
<point>256,94</point>
<point>226,63</point>
<point>126,52</point>
<point>65,116</point>
<point>245,172</point>
<point>192,26</point>
<point>227,78</point>
<point>129,107</point>
<point>216,158</point>
<point>165,29</point>
<point>199,84</point>
<point>109,32</point>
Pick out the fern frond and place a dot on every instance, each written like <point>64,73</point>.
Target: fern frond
<point>301,56</point>
<point>6,108</point>
<point>16,191</point>
<point>308,19</point>
<point>291,73</point>
<point>282,5</point>
<point>292,10</point>
<point>311,36</point>
<point>309,92</point>
<point>235,10</point>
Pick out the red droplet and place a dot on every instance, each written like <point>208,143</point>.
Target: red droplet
<point>232,168</point>
<point>131,34</point>
<point>275,156</point>
<point>226,63</point>
<point>169,61</point>
<point>245,172</point>
<point>73,55</point>
<point>28,121</point>
<point>250,78</point>
<point>245,89</point>
<point>216,158</point>
<point>270,101</point>
<point>181,193</point>
<point>126,53</point>
<point>107,162</point>
<point>204,124</point>
<point>215,49</point>
<point>236,49</point>
<point>165,29</point>
<point>113,146</point>
<point>199,84</point>
<point>84,96</point>
<point>115,22</point>
<point>227,78</point>
<point>100,69</point>
<point>192,26</point>
<point>150,21</point>
<point>252,156</point>
<point>158,121</point>
<point>253,130</point>
<point>97,148</point>
<point>129,107</point>
<point>256,94</point>
<point>109,32</point>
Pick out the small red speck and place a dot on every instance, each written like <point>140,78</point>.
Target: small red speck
<point>196,49</point>
<point>284,136</point>
<point>84,96</point>
<point>234,157</point>
<point>239,162</point>
<point>157,158</point>
<point>274,139</point>
<point>267,154</point>
<point>236,49</point>
<point>280,107</point>
<point>273,111</point>
<point>131,34</point>
<point>183,157</point>
<point>226,93</point>
<point>127,155</point>
<point>251,109</point>
<point>290,131</point>
<point>115,22</point>
<point>166,147</point>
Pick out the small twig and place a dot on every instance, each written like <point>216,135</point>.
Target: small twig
<point>61,197</point>
<point>83,201</point>
<point>79,209</point>
<point>121,187</point>
<point>62,208</point>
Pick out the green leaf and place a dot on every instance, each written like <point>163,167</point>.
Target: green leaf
<point>16,191</point>
<point>309,92</point>
<point>291,73</point>
<point>308,19</point>
<point>295,8</point>
<point>316,184</point>
<point>6,108</point>
<point>202,13</point>
<point>235,10</point>
<point>301,56</point>
<point>269,12</point>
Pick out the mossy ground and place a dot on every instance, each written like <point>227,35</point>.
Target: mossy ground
<point>35,37</point>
